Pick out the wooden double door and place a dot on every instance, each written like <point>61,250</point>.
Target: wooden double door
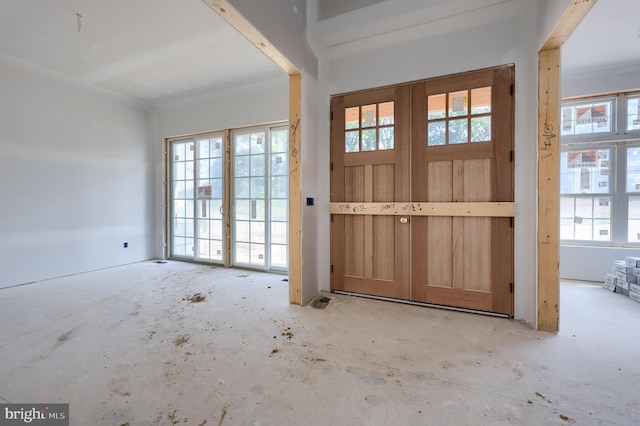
<point>422,191</point>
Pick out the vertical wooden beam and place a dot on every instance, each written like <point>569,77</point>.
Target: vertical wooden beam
<point>549,165</point>
<point>225,9</point>
<point>548,192</point>
<point>295,196</point>
<point>226,201</point>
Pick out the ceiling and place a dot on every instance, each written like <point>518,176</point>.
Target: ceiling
<point>609,36</point>
<point>159,51</point>
<point>152,51</point>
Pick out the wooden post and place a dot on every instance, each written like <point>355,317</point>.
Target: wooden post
<point>226,202</point>
<point>225,9</point>
<point>295,196</point>
<point>548,192</point>
<point>548,164</point>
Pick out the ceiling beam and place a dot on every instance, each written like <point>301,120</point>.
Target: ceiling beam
<point>572,16</point>
<point>225,9</point>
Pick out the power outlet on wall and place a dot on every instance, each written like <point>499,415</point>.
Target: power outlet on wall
<point>125,245</point>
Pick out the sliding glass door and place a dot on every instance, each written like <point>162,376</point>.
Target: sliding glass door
<point>255,223</point>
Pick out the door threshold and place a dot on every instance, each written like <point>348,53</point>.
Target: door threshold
<point>426,305</point>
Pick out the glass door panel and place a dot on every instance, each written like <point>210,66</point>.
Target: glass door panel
<point>279,194</point>
<point>260,190</point>
<point>197,173</point>
<point>209,193</point>
<point>250,197</point>
<point>182,198</point>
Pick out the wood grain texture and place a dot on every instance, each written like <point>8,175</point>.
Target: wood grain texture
<point>295,190</point>
<point>572,16</point>
<point>486,209</point>
<point>548,194</point>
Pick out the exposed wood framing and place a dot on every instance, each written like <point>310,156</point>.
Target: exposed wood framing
<point>484,209</point>
<point>225,9</point>
<point>548,194</point>
<point>548,164</point>
<point>295,196</point>
<point>226,211</point>
<point>570,19</point>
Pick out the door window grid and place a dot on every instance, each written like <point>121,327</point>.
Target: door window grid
<point>459,117</point>
<point>370,127</point>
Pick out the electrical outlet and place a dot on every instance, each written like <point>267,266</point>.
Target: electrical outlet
<point>125,245</point>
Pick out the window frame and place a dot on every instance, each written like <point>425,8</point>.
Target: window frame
<point>618,140</point>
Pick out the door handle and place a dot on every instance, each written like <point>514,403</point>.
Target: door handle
<point>404,220</point>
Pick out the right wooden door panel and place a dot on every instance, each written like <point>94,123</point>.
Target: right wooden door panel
<point>462,144</point>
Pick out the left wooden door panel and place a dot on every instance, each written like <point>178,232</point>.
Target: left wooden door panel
<point>369,157</point>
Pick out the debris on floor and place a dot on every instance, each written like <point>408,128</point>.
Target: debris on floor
<point>196,298</point>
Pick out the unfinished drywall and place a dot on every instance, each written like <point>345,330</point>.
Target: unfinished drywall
<point>260,102</point>
<point>311,187</point>
<point>603,80</point>
<point>76,168</point>
<point>494,35</point>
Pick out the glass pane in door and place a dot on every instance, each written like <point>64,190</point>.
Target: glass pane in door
<point>182,191</point>
<point>279,204</point>
<point>249,173</point>
<point>208,203</point>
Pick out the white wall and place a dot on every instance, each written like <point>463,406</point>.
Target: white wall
<point>260,102</point>
<point>488,37</point>
<point>590,263</point>
<point>603,80</point>
<point>76,179</point>
<point>311,215</point>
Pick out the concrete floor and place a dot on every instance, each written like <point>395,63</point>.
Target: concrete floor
<point>133,346</point>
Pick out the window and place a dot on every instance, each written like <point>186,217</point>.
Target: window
<point>583,118</point>
<point>459,117</point>
<point>600,171</point>
<point>369,127</point>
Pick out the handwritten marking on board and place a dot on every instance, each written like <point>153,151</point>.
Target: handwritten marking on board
<point>352,208</point>
<point>548,136</point>
<point>412,207</point>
